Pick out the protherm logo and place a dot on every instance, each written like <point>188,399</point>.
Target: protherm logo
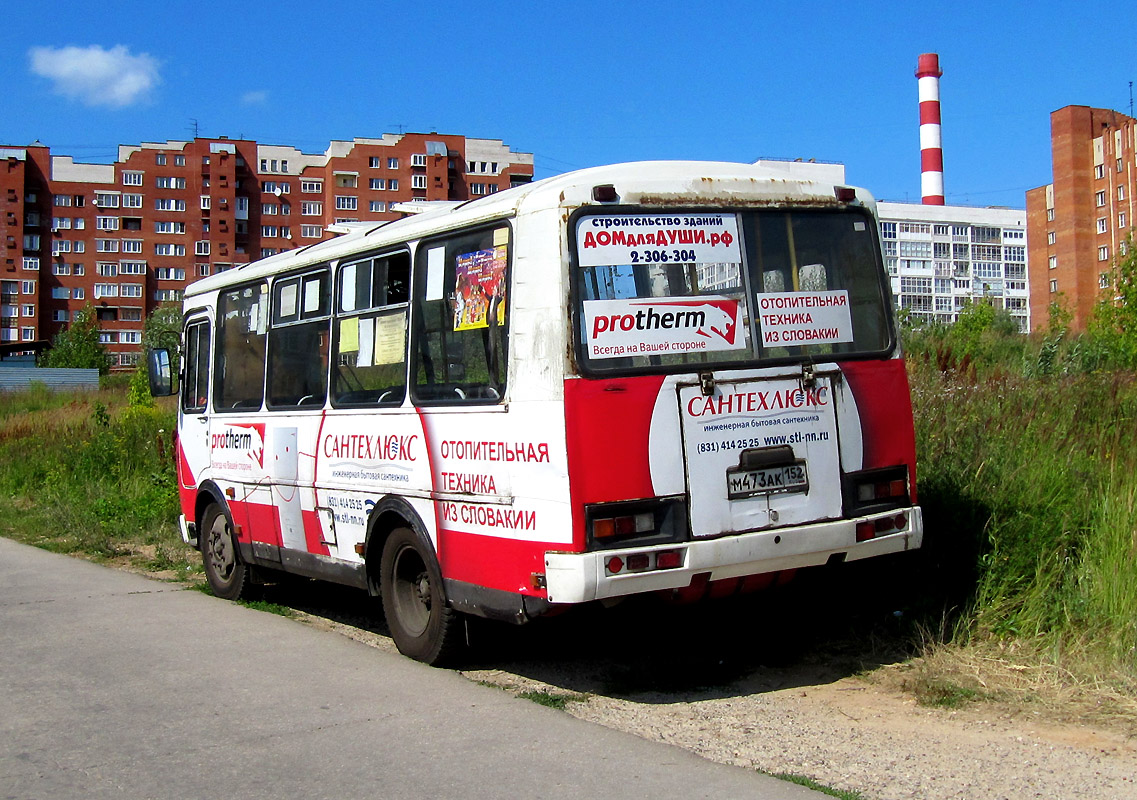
<point>629,327</point>
<point>238,446</point>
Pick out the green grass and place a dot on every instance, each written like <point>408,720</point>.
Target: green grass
<point>810,783</point>
<point>557,700</point>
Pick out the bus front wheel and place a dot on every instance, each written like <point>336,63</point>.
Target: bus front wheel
<point>228,576</point>
<point>423,626</point>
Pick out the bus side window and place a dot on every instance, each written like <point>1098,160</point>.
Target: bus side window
<point>459,338</point>
<point>242,324</point>
<point>370,331</point>
<point>195,385</point>
<point>298,342</point>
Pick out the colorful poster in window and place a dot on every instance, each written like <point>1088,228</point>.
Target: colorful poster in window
<point>479,288</point>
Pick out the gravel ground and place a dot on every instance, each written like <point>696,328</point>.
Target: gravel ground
<point>756,687</point>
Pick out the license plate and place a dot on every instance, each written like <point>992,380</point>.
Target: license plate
<point>767,480</point>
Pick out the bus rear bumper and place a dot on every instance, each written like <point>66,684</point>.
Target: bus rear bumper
<point>581,577</point>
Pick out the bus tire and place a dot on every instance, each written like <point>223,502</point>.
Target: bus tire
<point>228,576</point>
<point>421,622</point>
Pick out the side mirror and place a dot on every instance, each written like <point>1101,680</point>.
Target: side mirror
<point>159,372</point>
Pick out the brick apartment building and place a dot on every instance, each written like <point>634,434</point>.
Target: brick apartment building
<point>127,236</point>
<point>1079,224</point>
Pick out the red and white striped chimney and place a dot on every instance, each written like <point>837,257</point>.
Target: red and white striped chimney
<point>931,147</point>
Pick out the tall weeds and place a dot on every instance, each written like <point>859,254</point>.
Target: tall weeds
<point>88,473</point>
<point>1027,477</point>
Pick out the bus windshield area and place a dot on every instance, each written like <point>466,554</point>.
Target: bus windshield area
<point>668,291</point>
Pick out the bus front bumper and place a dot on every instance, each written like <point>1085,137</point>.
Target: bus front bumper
<point>581,577</point>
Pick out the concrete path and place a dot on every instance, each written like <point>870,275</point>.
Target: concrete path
<point>116,686</point>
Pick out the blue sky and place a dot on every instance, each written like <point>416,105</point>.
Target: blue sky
<point>579,84</point>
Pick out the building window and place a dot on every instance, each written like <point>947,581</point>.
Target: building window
<point>392,163</point>
<point>393,185</point>
<point>1121,192</point>
<point>1102,225</point>
<point>311,231</point>
<point>132,267</point>
<point>1053,285</point>
<point>29,310</point>
<point>206,202</point>
<point>418,160</point>
<point>269,209</point>
<point>31,262</point>
<point>61,268</point>
<point>132,201</point>
<point>131,290</point>
<point>1103,280</point>
<point>373,162</point>
<point>311,209</point>
<point>169,204</point>
<point>1051,237</point>
<point>1054,262</point>
<point>1103,253</point>
<point>169,249</point>
<point>106,200</point>
<point>269,231</point>
<point>179,161</point>
<point>201,248</point>
<point>1099,171</point>
<point>347,181</point>
<point>132,245</point>
<point>418,181</point>
<point>346,203</point>
<point>106,290</point>
<point>378,206</point>
<point>377,183</point>
<point>163,182</point>
<point>1099,199</point>
<point>132,179</point>
<point>311,187</point>
<point>106,245</point>
<point>160,159</point>
<point>1121,220</point>
<point>169,227</point>
<point>1050,215</point>
<point>170,274</point>
<point>108,269</point>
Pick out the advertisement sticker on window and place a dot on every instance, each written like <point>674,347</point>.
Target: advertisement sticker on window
<point>796,318</point>
<point>657,239</point>
<point>655,326</point>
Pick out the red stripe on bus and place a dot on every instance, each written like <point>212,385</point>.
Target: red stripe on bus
<point>884,404</point>
<point>608,423</point>
<point>493,562</point>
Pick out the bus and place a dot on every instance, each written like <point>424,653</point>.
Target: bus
<point>676,377</point>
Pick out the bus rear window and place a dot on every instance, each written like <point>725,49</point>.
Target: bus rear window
<point>685,290</point>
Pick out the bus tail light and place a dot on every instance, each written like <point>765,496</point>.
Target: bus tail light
<point>639,522</point>
<point>875,490</point>
<point>870,529</point>
<point>647,561</point>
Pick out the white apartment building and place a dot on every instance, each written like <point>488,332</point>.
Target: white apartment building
<point>942,257</point>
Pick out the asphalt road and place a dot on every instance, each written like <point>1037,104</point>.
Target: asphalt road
<point>116,686</point>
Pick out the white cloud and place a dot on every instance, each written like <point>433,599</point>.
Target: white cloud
<point>256,98</point>
<point>94,76</point>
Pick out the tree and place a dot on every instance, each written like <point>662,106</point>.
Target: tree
<point>1114,319</point>
<point>77,346</point>
<point>163,328</point>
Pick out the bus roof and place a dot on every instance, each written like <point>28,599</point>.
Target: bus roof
<point>658,184</point>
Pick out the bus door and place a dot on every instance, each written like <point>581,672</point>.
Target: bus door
<point>761,453</point>
<point>299,346</point>
<point>236,430</point>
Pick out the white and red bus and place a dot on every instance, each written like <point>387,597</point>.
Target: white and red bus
<point>646,377</point>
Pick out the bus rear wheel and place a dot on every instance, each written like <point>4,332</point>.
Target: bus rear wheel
<point>228,576</point>
<point>422,624</point>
